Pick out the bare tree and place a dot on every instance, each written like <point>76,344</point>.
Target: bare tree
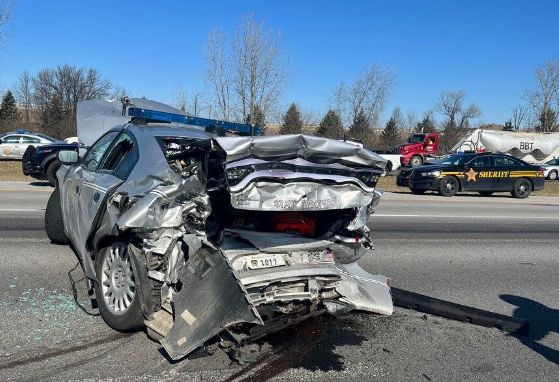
<point>180,97</point>
<point>218,74</point>
<point>518,116</point>
<point>57,92</point>
<point>23,91</point>
<point>261,67</point>
<point>119,92</point>
<point>544,97</point>
<point>451,105</point>
<point>368,92</point>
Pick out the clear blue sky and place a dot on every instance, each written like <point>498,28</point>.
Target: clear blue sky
<point>488,48</point>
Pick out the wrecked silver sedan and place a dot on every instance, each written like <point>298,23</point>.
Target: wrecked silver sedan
<point>215,241</point>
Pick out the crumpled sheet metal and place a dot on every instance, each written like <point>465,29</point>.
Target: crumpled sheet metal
<point>364,291</point>
<point>299,196</point>
<point>314,149</point>
<point>167,206</point>
<point>210,300</point>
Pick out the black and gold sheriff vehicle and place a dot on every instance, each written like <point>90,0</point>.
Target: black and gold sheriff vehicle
<point>485,173</point>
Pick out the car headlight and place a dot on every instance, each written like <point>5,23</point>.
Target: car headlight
<point>431,173</point>
<point>237,173</point>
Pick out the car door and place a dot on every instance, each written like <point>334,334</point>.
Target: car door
<point>476,174</point>
<point>114,168</point>
<point>502,179</point>
<point>10,146</point>
<point>81,184</point>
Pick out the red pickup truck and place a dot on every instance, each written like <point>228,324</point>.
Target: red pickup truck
<point>419,147</point>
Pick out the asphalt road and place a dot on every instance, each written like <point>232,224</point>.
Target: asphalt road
<point>494,253</point>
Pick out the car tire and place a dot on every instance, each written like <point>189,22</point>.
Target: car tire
<point>54,223</point>
<point>552,175</point>
<point>486,193</point>
<point>115,288</point>
<point>416,161</point>
<point>448,186</point>
<point>418,191</point>
<point>51,170</point>
<point>522,188</point>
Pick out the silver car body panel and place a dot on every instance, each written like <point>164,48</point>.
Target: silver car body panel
<point>169,212</point>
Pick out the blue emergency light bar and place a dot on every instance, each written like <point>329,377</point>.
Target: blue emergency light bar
<point>159,116</point>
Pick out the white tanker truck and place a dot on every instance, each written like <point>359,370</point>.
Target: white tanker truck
<point>530,147</point>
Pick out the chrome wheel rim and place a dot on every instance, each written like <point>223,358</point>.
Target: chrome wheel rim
<point>522,188</point>
<point>117,279</point>
<point>449,186</point>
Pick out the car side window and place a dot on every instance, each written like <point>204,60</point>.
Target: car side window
<point>11,139</point>
<point>31,140</point>
<point>93,157</point>
<point>121,157</point>
<point>505,162</point>
<point>482,161</point>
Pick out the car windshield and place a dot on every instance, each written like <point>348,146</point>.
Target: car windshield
<point>455,160</point>
<point>553,162</point>
<point>417,138</point>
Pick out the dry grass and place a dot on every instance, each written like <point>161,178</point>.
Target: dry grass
<point>11,170</point>
<point>388,183</point>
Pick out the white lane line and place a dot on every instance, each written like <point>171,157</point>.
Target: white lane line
<point>21,209</point>
<point>462,217</point>
<point>23,240</point>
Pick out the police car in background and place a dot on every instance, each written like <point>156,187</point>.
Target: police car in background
<point>13,144</point>
<point>485,173</point>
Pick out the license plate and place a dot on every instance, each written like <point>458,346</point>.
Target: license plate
<point>265,261</point>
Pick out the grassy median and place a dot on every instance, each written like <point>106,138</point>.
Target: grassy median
<point>11,170</point>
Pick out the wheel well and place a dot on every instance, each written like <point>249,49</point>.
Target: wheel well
<point>102,243</point>
<point>460,188</point>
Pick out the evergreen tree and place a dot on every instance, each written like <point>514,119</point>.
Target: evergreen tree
<point>360,129</point>
<point>391,135</point>
<point>259,118</point>
<point>508,126</point>
<point>427,125</point>
<point>8,108</point>
<point>292,121</point>
<point>331,126</point>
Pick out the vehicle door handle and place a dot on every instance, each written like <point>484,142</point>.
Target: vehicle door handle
<point>96,197</point>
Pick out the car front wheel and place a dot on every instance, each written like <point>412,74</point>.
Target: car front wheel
<point>522,188</point>
<point>552,175</point>
<point>448,186</point>
<point>54,223</point>
<point>116,290</point>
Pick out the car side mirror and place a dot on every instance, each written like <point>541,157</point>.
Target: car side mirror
<point>68,156</point>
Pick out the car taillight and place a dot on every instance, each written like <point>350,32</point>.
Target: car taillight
<point>389,282</point>
<point>294,221</point>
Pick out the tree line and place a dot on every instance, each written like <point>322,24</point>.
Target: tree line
<point>245,77</point>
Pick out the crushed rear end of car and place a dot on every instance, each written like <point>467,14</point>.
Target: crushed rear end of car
<point>247,235</point>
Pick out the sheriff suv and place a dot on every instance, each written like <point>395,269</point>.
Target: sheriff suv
<point>485,173</point>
